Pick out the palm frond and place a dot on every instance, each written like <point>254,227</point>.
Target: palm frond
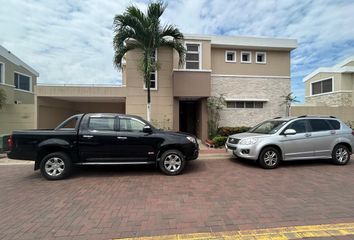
<point>171,31</point>
<point>176,45</point>
<point>122,50</point>
<point>156,9</point>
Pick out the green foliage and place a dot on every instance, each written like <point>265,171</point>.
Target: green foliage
<point>2,98</point>
<point>219,141</point>
<point>227,131</point>
<point>215,105</point>
<point>287,101</point>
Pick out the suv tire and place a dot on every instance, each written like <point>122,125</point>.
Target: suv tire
<point>340,154</point>
<point>56,166</point>
<point>269,158</point>
<point>172,162</point>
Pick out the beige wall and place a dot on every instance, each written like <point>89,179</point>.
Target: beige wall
<point>202,119</point>
<point>191,84</point>
<point>161,99</point>
<point>344,113</point>
<point>320,76</point>
<point>278,63</point>
<point>9,92</point>
<point>16,117</point>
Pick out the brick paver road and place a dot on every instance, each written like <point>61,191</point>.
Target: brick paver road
<point>212,195</point>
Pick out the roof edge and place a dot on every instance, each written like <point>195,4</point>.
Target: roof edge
<point>15,60</point>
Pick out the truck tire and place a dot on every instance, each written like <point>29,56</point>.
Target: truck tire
<point>340,155</point>
<point>172,162</point>
<point>56,166</point>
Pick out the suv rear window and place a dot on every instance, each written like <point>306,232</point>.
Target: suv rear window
<point>334,124</point>
<point>318,125</point>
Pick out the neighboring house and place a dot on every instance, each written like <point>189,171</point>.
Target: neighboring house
<point>332,86</point>
<point>17,79</point>
<point>329,91</point>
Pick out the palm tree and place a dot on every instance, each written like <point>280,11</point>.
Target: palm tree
<point>287,101</point>
<point>135,29</point>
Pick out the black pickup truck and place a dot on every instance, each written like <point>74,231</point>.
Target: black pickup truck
<point>102,139</point>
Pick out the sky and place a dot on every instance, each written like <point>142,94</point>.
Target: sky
<point>70,41</point>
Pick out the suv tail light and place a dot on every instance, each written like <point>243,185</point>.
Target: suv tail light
<point>353,132</point>
<point>9,142</point>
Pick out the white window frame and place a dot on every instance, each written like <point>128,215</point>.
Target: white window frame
<point>30,85</point>
<point>265,57</point>
<point>199,52</point>
<point>234,53</point>
<point>250,58</point>
<point>2,77</point>
<point>155,88</point>
<point>320,80</point>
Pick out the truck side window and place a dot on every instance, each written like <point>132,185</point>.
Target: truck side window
<point>101,123</point>
<point>130,125</point>
<point>69,124</point>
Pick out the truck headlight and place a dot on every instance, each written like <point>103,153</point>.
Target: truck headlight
<point>192,139</point>
<point>248,141</point>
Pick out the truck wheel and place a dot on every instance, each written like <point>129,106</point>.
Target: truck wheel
<point>340,155</point>
<point>172,162</point>
<point>269,158</point>
<point>56,166</point>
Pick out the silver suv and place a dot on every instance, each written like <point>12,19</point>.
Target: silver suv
<point>296,138</point>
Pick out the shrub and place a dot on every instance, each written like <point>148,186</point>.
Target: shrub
<point>227,131</point>
<point>219,141</point>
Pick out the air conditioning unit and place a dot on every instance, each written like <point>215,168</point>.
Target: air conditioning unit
<point>18,102</point>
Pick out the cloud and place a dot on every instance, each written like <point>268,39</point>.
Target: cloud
<point>71,41</point>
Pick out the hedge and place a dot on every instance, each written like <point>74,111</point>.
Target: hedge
<point>219,141</point>
<point>226,131</point>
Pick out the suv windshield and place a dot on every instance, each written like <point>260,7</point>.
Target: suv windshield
<point>268,127</point>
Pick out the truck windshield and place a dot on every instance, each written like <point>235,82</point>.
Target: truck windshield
<point>268,127</point>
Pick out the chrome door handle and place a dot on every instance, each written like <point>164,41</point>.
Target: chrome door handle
<point>87,136</point>
<point>122,138</point>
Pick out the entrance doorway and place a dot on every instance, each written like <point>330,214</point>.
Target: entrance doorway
<point>188,117</point>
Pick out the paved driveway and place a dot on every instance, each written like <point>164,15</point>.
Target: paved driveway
<point>213,195</point>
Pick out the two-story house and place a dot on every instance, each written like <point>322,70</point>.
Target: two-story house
<point>251,73</point>
<point>17,80</point>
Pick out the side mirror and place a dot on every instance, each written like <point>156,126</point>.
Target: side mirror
<point>289,132</point>
<point>147,129</point>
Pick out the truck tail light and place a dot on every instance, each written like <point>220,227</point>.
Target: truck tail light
<point>9,142</point>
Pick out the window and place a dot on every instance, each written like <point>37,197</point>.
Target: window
<point>261,57</point>
<point>299,126</point>
<point>22,82</point>
<point>268,127</point>
<point>244,104</point>
<point>246,57</point>
<point>318,125</point>
<point>193,56</point>
<point>131,125</point>
<point>101,123</point>
<point>334,124</point>
<point>230,56</point>
<point>69,124</point>
<point>322,86</point>
<point>2,73</point>
<point>153,75</point>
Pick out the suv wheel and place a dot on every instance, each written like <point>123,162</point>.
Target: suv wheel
<point>56,166</point>
<point>269,158</point>
<point>340,155</point>
<point>172,162</point>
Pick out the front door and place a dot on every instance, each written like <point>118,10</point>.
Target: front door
<point>133,144</point>
<point>188,116</point>
<point>98,140</point>
<point>298,146</point>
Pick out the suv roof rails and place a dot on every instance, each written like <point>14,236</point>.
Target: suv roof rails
<point>276,117</point>
<point>303,116</point>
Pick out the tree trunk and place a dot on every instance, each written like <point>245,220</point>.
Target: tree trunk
<point>147,83</point>
<point>148,106</point>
